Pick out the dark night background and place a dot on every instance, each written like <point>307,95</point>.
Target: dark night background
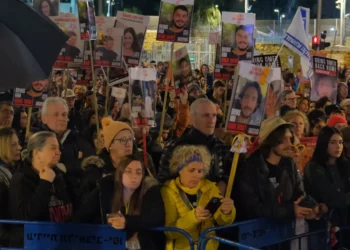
<point>264,9</point>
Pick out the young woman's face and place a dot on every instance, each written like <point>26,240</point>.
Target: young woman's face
<point>23,120</point>
<point>132,175</point>
<point>128,40</point>
<point>191,175</point>
<point>15,149</point>
<point>335,146</point>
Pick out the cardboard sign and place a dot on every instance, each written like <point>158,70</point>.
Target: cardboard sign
<point>175,18</point>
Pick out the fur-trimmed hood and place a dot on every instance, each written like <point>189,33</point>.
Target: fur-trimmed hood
<point>92,161</point>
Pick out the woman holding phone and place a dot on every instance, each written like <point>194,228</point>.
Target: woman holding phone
<point>193,203</point>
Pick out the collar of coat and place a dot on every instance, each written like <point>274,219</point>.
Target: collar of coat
<point>204,185</point>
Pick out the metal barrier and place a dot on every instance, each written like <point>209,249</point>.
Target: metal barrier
<point>69,236</point>
<point>225,242</point>
<point>260,233</point>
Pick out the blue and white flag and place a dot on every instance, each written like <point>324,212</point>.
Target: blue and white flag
<point>296,39</point>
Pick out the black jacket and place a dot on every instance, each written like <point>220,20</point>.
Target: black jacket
<point>33,199</point>
<point>5,179</point>
<point>95,168</point>
<point>255,196</point>
<point>220,152</point>
<point>330,185</point>
<point>99,203</point>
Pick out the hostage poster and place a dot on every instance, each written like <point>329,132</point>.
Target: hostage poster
<point>247,106</point>
<point>87,19</point>
<point>133,29</point>
<point>324,81</point>
<point>182,70</point>
<point>47,7</point>
<point>237,40</point>
<point>142,96</point>
<point>73,50</point>
<point>175,18</point>
<point>108,45</point>
<point>267,61</point>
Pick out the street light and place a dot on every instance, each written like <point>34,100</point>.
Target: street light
<point>276,10</point>
<point>283,15</point>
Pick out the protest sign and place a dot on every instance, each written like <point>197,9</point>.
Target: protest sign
<point>221,72</point>
<point>87,19</point>
<point>21,98</point>
<point>72,51</point>
<point>267,61</point>
<point>47,7</point>
<point>175,18</point>
<point>142,96</point>
<point>306,152</point>
<point>134,30</point>
<point>324,81</point>
<point>237,40</point>
<point>182,70</point>
<point>247,106</point>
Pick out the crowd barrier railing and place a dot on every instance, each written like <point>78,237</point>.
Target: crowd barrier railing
<point>69,236</point>
<point>260,233</point>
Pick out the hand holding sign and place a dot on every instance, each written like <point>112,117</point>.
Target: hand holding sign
<point>227,206</point>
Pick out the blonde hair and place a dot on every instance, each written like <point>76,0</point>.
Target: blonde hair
<point>6,144</point>
<point>291,114</point>
<point>81,88</point>
<point>182,154</point>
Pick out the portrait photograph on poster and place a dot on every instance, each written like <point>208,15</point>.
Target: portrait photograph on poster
<point>237,40</point>
<point>87,21</point>
<point>175,21</point>
<point>109,52</point>
<point>73,50</point>
<point>182,70</point>
<point>247,106</point>
<point>134,31</point>
<point>47,7</point>
<point>324,82</point>
<point>142,96</point>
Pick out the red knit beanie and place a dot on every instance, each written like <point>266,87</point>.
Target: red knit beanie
<point>335,119</point>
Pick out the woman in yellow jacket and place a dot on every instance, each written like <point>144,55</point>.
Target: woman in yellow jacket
<point>186,197</point>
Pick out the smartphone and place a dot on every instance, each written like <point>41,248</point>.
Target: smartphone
<point>308,202</point>
<point>213,205</point>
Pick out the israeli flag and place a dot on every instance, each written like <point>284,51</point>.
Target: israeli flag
<point>296,39</point>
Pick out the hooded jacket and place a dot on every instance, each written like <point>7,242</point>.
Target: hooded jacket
<point>220,152</point>
<point>179,215</point>
<point>34,199</point>
<point>99,203</point>
<point>256,196</point>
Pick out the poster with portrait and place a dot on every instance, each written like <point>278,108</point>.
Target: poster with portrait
<point>38,91</point>
<point>109,53</point>
<point>237,39</point>
<point>175,18</point>
<point>324,80</point>
<point>182,70</point>
<point>142,96</point>
<point>275,90</point>
<point>134,31</point>
<point>87,20</point>
<point>247,106</point>
<point>47,7</point>
<point>73,50</point>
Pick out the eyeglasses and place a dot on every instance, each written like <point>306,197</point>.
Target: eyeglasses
<point>124,141</point>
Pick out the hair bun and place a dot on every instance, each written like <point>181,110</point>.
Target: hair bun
<point>106,121</point>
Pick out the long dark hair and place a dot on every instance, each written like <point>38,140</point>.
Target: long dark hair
<point>118,199</point>
<point>274,139</point>
<point>135,45</point>
<point>321,155</point>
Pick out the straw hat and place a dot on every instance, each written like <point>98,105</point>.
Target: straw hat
<point>271,124</point>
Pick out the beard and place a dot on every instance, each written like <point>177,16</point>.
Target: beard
<point>179,27</point>
<point>244,48</point>
<point>37,91</point>
<point>249,111</point>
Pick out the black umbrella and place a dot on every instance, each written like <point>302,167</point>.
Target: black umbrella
<point>29,44</point>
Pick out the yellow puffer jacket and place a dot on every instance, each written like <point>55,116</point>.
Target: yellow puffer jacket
<point>178,214</point>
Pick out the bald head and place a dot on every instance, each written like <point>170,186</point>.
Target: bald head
<point>203,115</point>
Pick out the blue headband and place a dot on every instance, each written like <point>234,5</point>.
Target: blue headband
<point>193,158</point>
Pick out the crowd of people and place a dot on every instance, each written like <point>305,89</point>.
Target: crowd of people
<point>65,170</point>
